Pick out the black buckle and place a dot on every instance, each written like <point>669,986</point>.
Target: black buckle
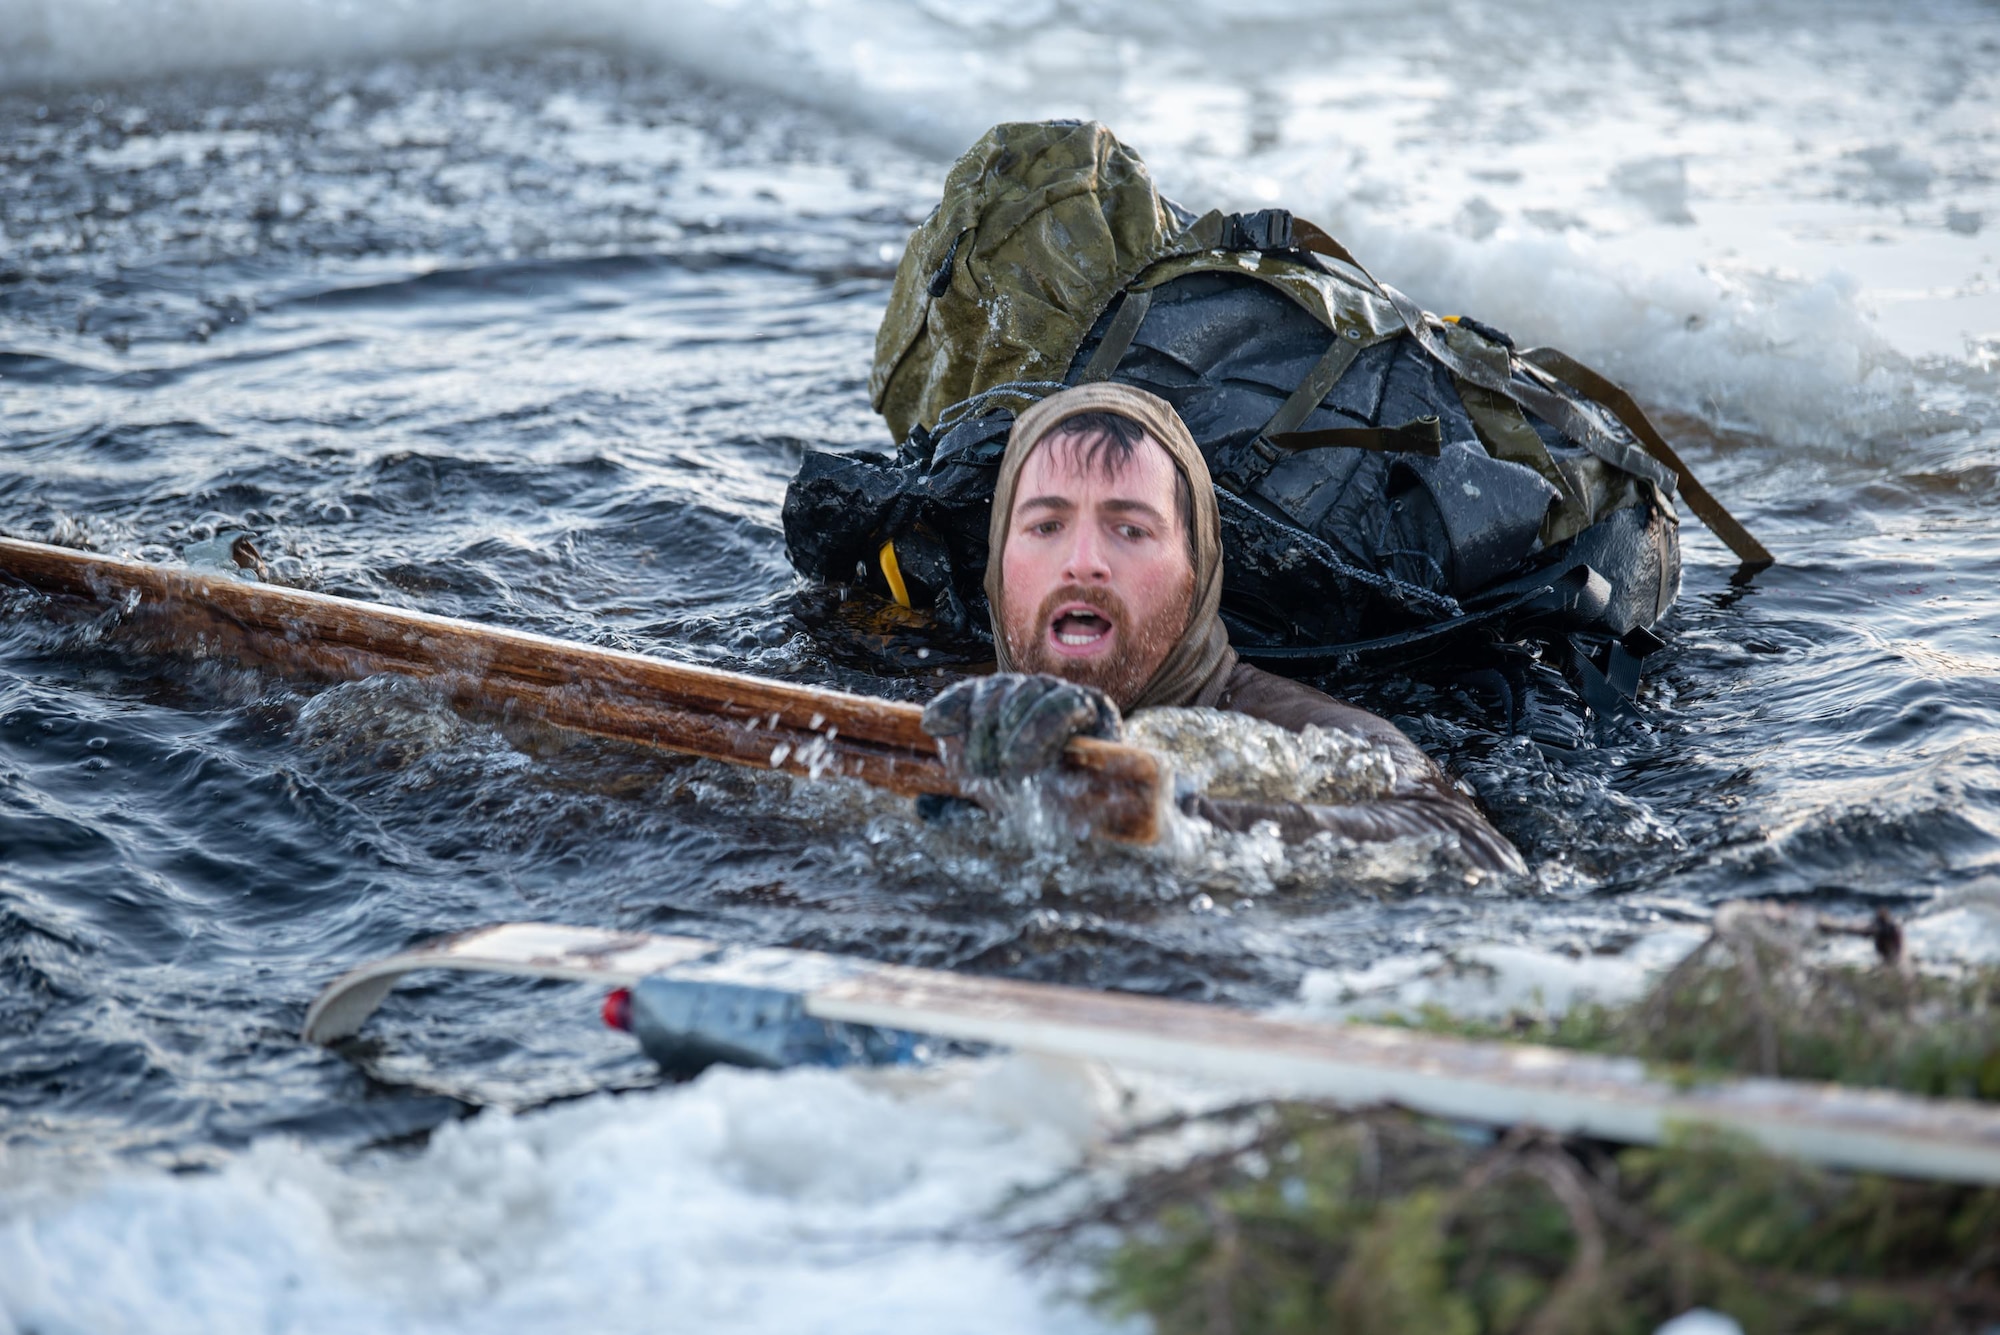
<point>1266,229</point>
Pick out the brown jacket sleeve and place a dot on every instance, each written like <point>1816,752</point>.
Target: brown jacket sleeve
<point>1425,802</point>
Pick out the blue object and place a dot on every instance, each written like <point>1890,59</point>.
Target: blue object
<point>687,1026</point>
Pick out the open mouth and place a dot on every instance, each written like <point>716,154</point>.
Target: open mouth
<point>1079,628</point>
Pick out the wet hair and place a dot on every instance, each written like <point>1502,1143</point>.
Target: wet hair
<point>1107,442</point>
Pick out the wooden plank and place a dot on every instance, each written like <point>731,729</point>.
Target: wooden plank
<point>1112,791</point>
<point>1487,1083</point>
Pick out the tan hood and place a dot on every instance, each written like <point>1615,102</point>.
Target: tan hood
<point>1195,668</point>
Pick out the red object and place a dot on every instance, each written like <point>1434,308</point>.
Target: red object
<point>618,1009</point>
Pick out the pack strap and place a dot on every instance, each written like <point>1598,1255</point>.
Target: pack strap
<point>1118,336</point>
<point>1421,436</point>
<point>1030,391</point>
<point>1281,432</point>
<point>1317,384</point>
<point>1661,466</point>
<point>1411,597</point>
<point>1281,435</point>
<point>1699,498</point>
<point>1545,403</point>
<point>1310,236</point>
<point>1299,659</point>
<point>1503,428</point>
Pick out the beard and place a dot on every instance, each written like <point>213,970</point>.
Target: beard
<point>1120,674</point>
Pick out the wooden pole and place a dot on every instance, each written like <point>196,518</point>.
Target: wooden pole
<point>1112,791</point>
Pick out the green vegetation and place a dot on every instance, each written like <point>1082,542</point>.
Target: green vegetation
<point>1750,1001</point>
<point>1325,1220</point>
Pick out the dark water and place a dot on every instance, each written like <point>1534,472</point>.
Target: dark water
<point>537,341</point>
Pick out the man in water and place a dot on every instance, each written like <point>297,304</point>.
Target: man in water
<point>1105,576</point>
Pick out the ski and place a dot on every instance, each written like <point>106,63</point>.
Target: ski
<point>1466,1080</point>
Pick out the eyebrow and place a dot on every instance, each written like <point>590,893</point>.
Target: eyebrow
<point>1064,503</point>
<point>1134,508</point>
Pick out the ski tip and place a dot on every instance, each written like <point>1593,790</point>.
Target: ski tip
<point>527,950</point>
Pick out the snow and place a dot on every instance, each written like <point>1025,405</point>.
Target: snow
<point>807,1201</point>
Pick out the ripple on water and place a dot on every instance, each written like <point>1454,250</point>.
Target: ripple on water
<point>555,373</point>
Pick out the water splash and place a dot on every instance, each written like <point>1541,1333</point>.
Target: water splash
<point>1229,755</point>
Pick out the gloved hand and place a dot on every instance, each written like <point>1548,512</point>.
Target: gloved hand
<point>1013,724</point>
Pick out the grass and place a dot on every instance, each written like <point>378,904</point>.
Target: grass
<point>1320,1219</point>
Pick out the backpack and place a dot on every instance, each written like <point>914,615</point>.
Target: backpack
<point>1392,484</point>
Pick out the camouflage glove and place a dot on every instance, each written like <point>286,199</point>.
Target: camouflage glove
<point>1012,725</point>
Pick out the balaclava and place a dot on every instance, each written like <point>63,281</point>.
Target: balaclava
<point>1195,669</point>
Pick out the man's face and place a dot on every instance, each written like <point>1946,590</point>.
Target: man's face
<point>1096,582</point>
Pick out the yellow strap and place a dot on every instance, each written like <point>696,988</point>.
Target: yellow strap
<point>893,572</point>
